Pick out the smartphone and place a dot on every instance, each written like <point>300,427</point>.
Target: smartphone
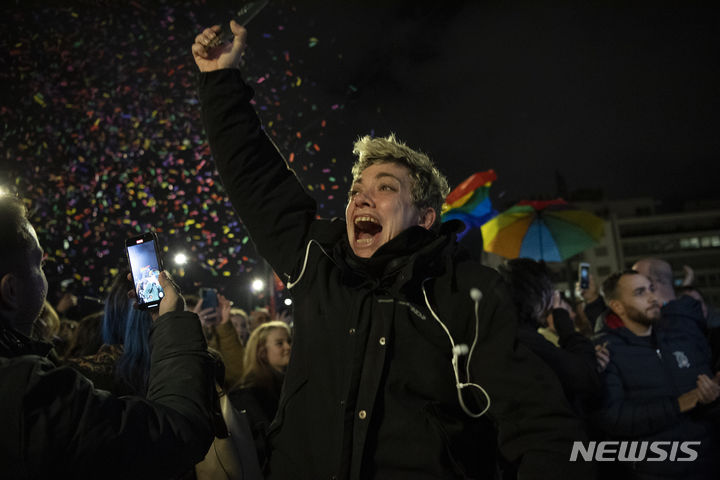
<point>243,17</point>
<point>584,275</point>
<point>209,298</point>
<point>145,266</point>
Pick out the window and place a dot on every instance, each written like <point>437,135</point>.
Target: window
<point>691,242</point>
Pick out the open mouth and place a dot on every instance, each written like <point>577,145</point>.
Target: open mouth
<point>366,229</point>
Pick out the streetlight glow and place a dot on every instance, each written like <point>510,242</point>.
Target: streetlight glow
<point>257,285</point>
<point>181,259</point>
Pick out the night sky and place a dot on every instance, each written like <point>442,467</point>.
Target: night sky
<point>619,99</point>
<point>101,131</point>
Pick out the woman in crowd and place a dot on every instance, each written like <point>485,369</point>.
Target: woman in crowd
<point>86,336</point>
<point>122,364</point>
<point>47,326</point>
<point>267,354</point>
<point>222,337</point>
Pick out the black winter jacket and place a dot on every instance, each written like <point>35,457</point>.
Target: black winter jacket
<point>370,391</point>
<point>573,361</point>
<point>56,425</point>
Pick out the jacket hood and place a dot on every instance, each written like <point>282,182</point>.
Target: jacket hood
<point>612,320</point>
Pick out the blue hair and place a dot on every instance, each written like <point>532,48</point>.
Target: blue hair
<point>129,327</point>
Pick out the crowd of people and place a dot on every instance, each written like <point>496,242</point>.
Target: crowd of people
<point>406,357</point>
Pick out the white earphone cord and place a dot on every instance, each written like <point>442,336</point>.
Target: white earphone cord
<point>290,284</point>
<point>457,350</point>
<point>461,349</point>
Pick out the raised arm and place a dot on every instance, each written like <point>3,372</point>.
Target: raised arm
<point>265,193</point>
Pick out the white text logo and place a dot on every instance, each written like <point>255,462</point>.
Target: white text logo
<point>626,451</point>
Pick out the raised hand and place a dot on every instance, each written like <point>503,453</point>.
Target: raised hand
<point>229,55</point>
<point>602,356</point>
<point>589,294</point>
<point>224,306</point>
<point>708,390</point>
<point>207,316</point>
<point>172,300</point>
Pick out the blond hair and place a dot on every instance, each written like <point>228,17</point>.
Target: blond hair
<point>47,325</point>
<point>257,369</point>
<point>429,188</point>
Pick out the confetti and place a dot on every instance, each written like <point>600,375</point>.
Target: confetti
<point>103,138</point>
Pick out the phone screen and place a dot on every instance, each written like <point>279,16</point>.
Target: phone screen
<point>145,268</point>
<point>584,276</point>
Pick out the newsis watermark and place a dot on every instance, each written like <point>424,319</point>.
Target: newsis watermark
<point>634,451</point>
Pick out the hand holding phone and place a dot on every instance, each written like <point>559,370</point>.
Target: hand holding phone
<point>145,267</point>
<point>209,297</point>
<point>172,300</point>
<point>207,307</point>
<point>585,287</point>
<point>584,275</point>
<point>244,16</point>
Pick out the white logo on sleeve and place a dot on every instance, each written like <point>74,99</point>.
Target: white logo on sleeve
<point>682,359</point>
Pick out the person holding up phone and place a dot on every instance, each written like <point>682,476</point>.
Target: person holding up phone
<point>566,351</point>
<point>221,334</point>
<point>55,424</point>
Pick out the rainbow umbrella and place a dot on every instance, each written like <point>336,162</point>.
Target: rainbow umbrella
<point>470,201</point>
<point>542,230</point>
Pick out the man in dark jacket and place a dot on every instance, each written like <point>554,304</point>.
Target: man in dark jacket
<point>402,342</point>
<point>659,385</point>
<point>55,424</point>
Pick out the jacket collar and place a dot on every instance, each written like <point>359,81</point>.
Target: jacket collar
<point>416,252</point>
<point>630,338</point>
<point>15,344</point>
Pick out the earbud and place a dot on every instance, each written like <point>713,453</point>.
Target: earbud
<point>460,349</point>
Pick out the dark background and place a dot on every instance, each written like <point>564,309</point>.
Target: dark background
<point>101,131</point>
